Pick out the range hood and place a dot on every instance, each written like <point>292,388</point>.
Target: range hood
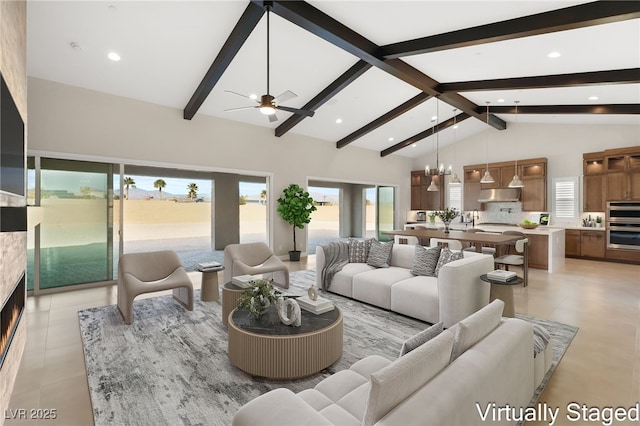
<point>499,195</point>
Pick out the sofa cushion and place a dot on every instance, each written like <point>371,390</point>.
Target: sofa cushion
<point>359,250</point>
<point>374,287</point>
<point>417,297</point>
<point>342,282</point>
<point>475,327</point>
<point>420,338</point>
<point>339,384</point>
<point>405,375</point>
<point>402,256</point>
<point>447,256</point>
<point>425,261</point>
<point>380,254</point>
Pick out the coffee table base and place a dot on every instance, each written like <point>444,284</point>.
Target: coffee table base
<point>285,357</point>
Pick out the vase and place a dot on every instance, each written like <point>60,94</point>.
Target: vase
<point>446,226</point>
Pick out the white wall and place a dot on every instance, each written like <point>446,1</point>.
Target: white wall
<point>562,145</point>
<point>66,119</point>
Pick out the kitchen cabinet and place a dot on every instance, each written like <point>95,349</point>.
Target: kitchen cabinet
<point>592,244</point>
<point>572,243</point>
<point>593,190</point>
<point>421,199</point>
<point>622,168</point>
<point>538,251</point>
<point>533,173</point>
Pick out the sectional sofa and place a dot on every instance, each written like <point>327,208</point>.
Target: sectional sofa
<point>454,294</point>
<point>459,377</point>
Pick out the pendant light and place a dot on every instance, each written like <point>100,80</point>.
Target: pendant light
<point>487,178</point>
<point>439,170</point>
<point>454,181</point>
<point>516,182</point>
<point>431,172</point>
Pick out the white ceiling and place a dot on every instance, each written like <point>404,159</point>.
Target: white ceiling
<point>167,47</point>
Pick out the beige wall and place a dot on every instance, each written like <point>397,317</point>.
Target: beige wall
<point>66,119</point>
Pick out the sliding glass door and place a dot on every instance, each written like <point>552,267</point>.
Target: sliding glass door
<point>386,211</point>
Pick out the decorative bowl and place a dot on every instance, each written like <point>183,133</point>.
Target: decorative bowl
<point>530,226</point>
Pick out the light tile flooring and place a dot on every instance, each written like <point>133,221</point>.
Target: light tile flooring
<point>601,367</point>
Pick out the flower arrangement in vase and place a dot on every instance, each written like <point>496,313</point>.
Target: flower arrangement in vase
<point>446,216</point>
<point>257,298</point>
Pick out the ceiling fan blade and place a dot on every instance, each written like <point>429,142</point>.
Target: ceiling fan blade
<point>272,118</point>
<point>241,108</point>
<point>285,96</point>
<point>296,110</point>
<point>240,94</point>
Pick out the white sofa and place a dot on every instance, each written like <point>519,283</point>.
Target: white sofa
<point>456,293</point>
<point>427,386</point>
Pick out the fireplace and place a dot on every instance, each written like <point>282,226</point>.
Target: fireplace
<point>10,317</point>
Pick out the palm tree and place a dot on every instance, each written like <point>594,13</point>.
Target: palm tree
<point>159,183</point>
<point>263,196</point>
<point>128,181</point>
<point>193,190</point>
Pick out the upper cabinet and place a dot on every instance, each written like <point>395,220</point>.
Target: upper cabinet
<point>593,182</point>
<point>533,173</point>
<point>421,199</point>
<point>622,170</point>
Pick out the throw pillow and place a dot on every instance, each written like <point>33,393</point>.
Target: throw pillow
<point>359,250</point>
<point>475,327</point>
<point>392,384</point>
<point>425,261</point>
<point>423,337</point>
<point>447,256</point>
<point>380,254</point>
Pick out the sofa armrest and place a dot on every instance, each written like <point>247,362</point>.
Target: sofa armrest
<point>278,407</point>
<point>320,261</point>
<point>461,292</point>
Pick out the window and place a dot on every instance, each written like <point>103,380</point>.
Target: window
<point>565,199</point>
<point>455,197</point>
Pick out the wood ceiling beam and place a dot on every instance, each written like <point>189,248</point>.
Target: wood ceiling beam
<point>322,25</point>
<point>569,18</point>
<point>623,109</point>
<point>327,93</point>
<point>426,133</point>
<point>248,21</point>
<point>623,76</point>
<point>384,119</point>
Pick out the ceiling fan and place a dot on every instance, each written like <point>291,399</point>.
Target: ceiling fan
<point>267,103</point>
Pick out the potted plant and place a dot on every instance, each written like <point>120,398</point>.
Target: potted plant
<point>446,216</point>
<point>295,207</point>
<point>257,298</point>
<point>598,222</point>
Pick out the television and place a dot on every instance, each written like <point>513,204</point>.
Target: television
<point>12,156</point>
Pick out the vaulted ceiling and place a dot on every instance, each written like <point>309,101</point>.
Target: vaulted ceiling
<point>378,67</point>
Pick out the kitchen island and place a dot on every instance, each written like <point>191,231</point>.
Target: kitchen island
<point>546,244</point>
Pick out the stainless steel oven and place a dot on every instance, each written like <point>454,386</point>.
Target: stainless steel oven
<point>623,225</point>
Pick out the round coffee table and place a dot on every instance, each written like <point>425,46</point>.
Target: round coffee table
<point>503,290</point>
<point>230,295</point>
<point>267,348</point>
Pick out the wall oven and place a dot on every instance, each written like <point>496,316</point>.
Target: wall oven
<point>623,225</point>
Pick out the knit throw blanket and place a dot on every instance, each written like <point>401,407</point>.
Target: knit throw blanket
<point>541,339</point>
<point>336,255</point>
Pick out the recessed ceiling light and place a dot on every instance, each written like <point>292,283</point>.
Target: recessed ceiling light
<point>500,100</point>
<point>339,120</point>
<point>75,46</point>
<point>434,118</point>
<point>593,98</point>
<point>390,139</point>
<point>113,56</point>
<point>455,127</point>
<point>413,145</point>
<point>253,96</point>
<point>554,55</point>
<point>112,8</point>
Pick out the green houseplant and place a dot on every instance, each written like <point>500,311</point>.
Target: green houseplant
<point>295,207</point>
<point>257,298</point>
<point>446,216</point>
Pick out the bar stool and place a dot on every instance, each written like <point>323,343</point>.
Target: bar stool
<point>491,251</point>
<point>402,239</point>
<point>443,242</point>
<point>521,259</point>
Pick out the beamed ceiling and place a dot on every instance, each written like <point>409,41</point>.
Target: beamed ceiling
<point>377,66</point>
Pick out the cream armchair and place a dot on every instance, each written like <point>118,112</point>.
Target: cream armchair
<point>140,273</point>
<point>254,258</point>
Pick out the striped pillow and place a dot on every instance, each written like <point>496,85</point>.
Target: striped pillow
<point>447,256</point>
<point>425,261</point>
<point>380,254</point>
<point>359,250</point>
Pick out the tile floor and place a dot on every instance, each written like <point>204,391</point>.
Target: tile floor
<point>601,367</point>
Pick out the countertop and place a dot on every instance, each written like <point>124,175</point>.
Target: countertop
<point>540,230</point>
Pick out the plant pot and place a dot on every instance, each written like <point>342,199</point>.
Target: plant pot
<point>294,256</point>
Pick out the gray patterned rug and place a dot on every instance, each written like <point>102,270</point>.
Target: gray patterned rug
<point>170,367</point>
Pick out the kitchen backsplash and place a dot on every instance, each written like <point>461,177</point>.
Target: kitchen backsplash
<point>510,212</point>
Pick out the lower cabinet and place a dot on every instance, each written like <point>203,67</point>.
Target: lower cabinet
<point>538,251</point>
<point>587,244</point>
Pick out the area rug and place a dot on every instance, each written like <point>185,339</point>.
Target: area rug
<point>170,367</point>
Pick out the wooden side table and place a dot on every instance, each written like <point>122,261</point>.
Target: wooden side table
<point>503,290</point>
<point>209,284</point>
<point>230,295</point>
